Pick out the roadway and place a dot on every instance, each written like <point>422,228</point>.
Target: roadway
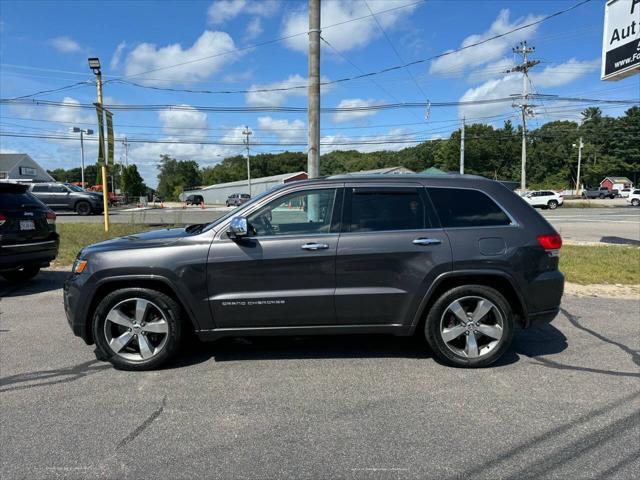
<point>563,403</point>
<point>619,224</point>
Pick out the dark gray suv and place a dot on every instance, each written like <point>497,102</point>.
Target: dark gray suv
<point>459,259</point>
<point>65,196</point>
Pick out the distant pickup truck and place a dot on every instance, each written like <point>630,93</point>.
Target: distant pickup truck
<point>602,192</point>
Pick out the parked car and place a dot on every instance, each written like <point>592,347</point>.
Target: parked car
<point>237,199</point>
<point>544,199</point>
<point>634,198</point>
<point>64,196</point>
<point>195,199</point>
<point>461,260</point>
<point>28,238</point>
<point>625,192</point>
<point>601,192</point>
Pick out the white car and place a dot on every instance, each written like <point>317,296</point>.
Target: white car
<point>625,192</point>
<point>544,199</point>
<point>634,198</point>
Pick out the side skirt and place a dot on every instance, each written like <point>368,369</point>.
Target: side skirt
<point>390,329</point>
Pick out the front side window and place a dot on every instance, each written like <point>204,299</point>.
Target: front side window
<point>300,213</point>
<point>460,207</point>
<point>385,209</point>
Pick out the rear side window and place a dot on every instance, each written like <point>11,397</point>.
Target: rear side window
<point>12,201</point>
<point>40,188</point>
<point>384,209</point>
<point>460,207</point>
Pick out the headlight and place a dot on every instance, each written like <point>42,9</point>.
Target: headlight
<point>79,266</point>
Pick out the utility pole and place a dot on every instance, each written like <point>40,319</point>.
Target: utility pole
<point>580,146</point>
<point>82,132</point>
<point>313,108</point>
<point>462,148</point>
<point>246,132</point>
<point>125,144</point>
<point>525,107</point>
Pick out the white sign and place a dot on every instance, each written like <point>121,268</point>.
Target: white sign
<point>621,39</point>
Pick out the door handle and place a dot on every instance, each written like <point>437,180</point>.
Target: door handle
<point>315,246</point>
<point>427,241</point>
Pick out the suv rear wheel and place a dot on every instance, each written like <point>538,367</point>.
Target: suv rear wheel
<point>21,274</point>
<point>83,208</point>
<point>470,326</point>
<point>137,328</point>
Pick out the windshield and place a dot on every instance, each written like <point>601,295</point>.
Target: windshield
<point>75,188</point>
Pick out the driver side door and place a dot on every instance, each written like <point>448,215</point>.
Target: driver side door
<point>283,272</point>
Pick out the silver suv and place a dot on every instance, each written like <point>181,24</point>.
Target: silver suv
<point>65,196</point>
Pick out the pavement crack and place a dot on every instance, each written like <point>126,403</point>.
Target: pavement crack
<point>143,426</point>
<point>635,355</point>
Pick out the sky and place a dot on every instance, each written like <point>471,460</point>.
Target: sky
<point>252,45</point>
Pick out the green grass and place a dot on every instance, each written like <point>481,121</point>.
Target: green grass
<point>586,264</point>
<point>581,264</point>
<point>75,236</point>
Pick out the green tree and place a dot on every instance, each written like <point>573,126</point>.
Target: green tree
<point>131,182</point>
<point>175,176</point>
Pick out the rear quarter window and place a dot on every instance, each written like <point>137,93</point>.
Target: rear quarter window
<point>12,201</point>
<point>461,207</point>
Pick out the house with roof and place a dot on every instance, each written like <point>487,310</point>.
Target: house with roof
<point>21,167</point>
<point>617,183</point>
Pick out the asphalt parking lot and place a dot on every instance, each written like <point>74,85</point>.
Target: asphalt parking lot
<point>564,403</point>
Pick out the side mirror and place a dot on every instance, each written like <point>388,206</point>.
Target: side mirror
<point>238,227</point>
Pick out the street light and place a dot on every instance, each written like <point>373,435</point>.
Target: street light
<point>94,65</point>
<point>82,132</point>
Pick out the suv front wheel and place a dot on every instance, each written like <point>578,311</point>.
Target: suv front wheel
<point>137,328</point>
<point>470,326</point>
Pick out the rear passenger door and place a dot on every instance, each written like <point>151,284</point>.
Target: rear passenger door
<point>391,248</point>
<point>482,233</point>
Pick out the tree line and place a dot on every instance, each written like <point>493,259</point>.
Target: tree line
<point>610,148</point>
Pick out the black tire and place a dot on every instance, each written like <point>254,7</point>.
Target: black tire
<point>635,202</point>
<point>21,274</point>
<point>169,307</point>
<point>83,208</point>
<point>437,311</point>
<point>601,196</point>
<point>553,204</point>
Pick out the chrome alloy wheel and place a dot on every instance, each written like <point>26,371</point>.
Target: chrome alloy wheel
<point>471,326</point>
<point>136,329</point>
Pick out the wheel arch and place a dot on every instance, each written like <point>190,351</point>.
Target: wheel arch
<point>499,280</point>
<point>155,282</point>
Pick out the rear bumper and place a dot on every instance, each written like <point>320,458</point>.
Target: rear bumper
<point>544,295</point>
<point>18,255</point>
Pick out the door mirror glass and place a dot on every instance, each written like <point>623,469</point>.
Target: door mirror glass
<point>238,227</point>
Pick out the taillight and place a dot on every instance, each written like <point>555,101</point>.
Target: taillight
<point>2,219</point>
<point>51,217</point>
<point>550,242</point>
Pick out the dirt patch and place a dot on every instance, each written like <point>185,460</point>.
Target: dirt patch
<point>608,291</point>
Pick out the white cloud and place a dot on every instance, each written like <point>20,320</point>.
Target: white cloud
<point>211,45</point>
<point>65,44</point>
<point>286,131</point>
<point>342,117</point>
<point>223,10</point>
<point>254,29</point>
<point>552,76</point>
<point>488,52</point>
<point>351,35</point>
<point>115,59</point>
<point>257,98</point>
<point>65,115</point>
<point>188,121</point>
<point>373,143</point>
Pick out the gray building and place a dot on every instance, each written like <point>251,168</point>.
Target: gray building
<point>218,194</point>
<point>20,166</point>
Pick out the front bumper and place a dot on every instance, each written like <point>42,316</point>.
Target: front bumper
<point>76,306</point>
